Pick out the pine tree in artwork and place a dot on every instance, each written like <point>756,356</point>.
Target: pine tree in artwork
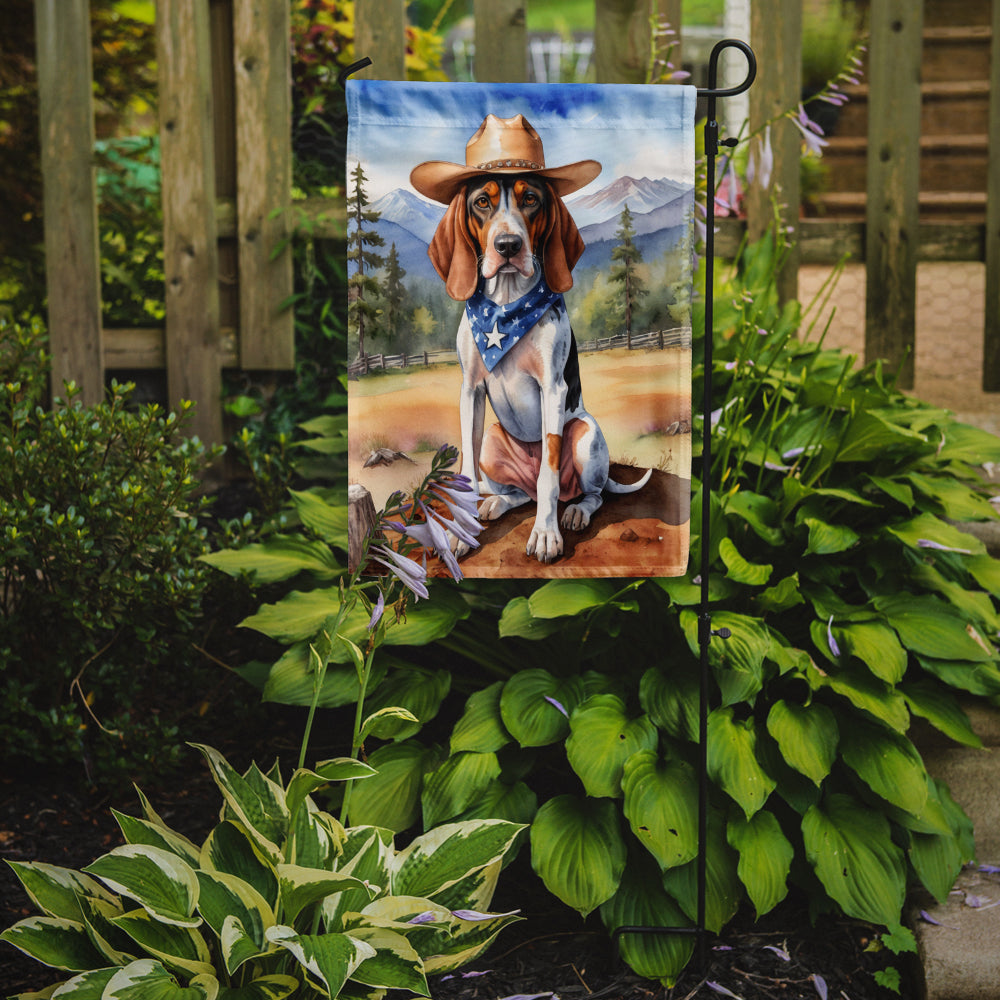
<point>627,257</point>
<point>394,294</point>
<point>362,286</point>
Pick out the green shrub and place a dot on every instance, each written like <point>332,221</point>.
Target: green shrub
<point>279,900</point>
<point>101,584</point>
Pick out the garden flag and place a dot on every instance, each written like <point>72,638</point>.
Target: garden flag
<point>519,265</point>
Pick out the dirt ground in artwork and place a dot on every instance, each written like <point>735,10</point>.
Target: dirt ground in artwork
<point>646,426</point>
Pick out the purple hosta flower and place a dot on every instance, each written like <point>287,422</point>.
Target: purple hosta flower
<point>760,166</point>
<point>989,869</point>
<point>719,988</point>
<point>427,917</point>
<point>377,611</point>
<point>834,648</point>
<point>927,918</point>
<point>820,983</point>
<point>552,701</point>
<point>465,975</point>
<point>461,500</point>
<point>412,575</point>
<point>928,543</point>
<point>475,915</point>
<point>432,537</point>
<point>811,132</point>
<point>780,952</point>
<point>729,195</point>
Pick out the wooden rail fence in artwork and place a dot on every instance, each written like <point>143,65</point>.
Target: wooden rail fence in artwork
<point>225,107</point>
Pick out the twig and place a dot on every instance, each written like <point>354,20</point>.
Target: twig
<point>578,976</point>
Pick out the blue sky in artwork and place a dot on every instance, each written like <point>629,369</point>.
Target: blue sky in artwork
<point>636,131</point>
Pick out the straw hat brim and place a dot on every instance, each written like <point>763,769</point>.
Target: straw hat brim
<point>441,181</point>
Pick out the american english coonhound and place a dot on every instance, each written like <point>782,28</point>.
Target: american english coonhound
<point>507,246</point>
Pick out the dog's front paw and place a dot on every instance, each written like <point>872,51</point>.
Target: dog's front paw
<point>547,545</point>
<point>575,518</point>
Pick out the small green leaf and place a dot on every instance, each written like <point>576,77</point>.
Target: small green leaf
<point>765,858</point>
<point>828,539</point>
<point>739,569</point>
<point>481,727</point>
<point>456,784</point>
<point>807,736</point>
<point>888,763</point>
<point>391,798</point>
<point>732,760</point>
<point>560,598</point>
<point>279,558</point>
<point>535,706</point>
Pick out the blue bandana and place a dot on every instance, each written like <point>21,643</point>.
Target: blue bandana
<point>496,329</point>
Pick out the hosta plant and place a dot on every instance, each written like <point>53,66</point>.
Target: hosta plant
<point>279,900</point>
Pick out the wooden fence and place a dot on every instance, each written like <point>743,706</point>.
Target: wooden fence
<point>226,160</point>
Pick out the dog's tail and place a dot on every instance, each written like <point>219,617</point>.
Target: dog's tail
<point>612,487</point>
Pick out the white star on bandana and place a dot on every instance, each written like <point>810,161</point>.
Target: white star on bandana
<point>494,338</point>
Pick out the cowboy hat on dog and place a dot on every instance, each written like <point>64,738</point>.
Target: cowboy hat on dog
<point>500,146</point>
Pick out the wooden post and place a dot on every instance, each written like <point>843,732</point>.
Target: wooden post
<point>262,61</point>
<point>72,256</point>
<point>776,35</point>
<point>501,37</point>
<point>621,40</point>
<point>670,11</point>
<point>190,253</point>
<point>893,184</point>
<point>380,34</point>
<point>361,522</point>
<point>991,333</point>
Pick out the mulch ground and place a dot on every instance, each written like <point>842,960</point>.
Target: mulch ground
<point>551,953</point>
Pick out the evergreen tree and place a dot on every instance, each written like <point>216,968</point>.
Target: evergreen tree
<point>394,294</point>
<point>362,285</point>
<point>625,272</point>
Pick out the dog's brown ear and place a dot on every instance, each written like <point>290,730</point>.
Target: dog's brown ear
<point>453,253</point>
<point>563,247</point>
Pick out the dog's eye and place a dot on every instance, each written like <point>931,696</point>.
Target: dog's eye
<point>530,199</point>
<point>482,202</point>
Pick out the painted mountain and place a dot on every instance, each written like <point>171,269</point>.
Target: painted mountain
<point>659,209</point>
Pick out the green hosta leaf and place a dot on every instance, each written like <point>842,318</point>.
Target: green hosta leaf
<point>239,945</point>
<point>417,690</point>
<point>578,851</point>
<point>180,948</point>
<point>425,622</point>
<point>976,678</point>
<point>937,858</point>
<point>56,891</point>
<point>986,572</point>
<point>975,605</point>
<point>765,858</point>
<point>866,692</point>
<point>275,987</point>
<point>850,848</point>
<point>304,782</point>
<point>230,849</point>
<point>559,598</point>
<point>876,646</point>
<point>225,897</point>
<point>758,511</point>
<point>279,558</point>
<point>928,528</point>
<point>481,728</point>
<point>602,738</point>
<point>327,520</point>
<point>641,901</point>
<point>828,539</point>
<point>300,615</point>
<point>723,889</point>
<point>301,887</point>
<point>957,501</point>
<point>528,710</point>
<point>807,736</point>
<point>292,680</point>
<point>515,803</point>
<point>941,709</point>
<point>739,569</point>
<point>661,798</point>
<point>54,941</point>
<point>965,443</point>
<point>147,979</point>
<point>517,620</point>
<point>738,661</point>
<point>894,489</point>
<point>783,595</point>
<point>888,763</point>
<point>441,857</point>
<point>391,798</point>
<point>671,700</point>
<point>456,784</point>
<point>260,809</point>
<point>330,959</point>
<point>141,831</point>
<point>395,964</point>
<point>159,881</point>
<point>732,760</point>
<point>931,628</point>
<point>386,723</point>
<point>870,436</point>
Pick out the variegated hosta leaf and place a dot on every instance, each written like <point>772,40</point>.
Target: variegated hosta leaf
<point>315,838</point>
<point>329,959</point>
<point>765,858</point>
<point>86,986</point>
<point>476,890</point>
<point>158,880</point>
<point>467,940</point>
<point>274,987</point>
<point>456,784</point>
<point>661,800</point>
<point>417,690</point>
<point>366,855</point>
<point>391,799</point>
<point>116,947</point>
<point>578,851</point>
<point>141,831</point>
<point>304,782</point>
<point>395,964</point>
<point>535,706</point>
<point>149,980</point>
<point>642,902</point>
<point>850,847</point>
<point>177,947</point>
<point>602,737</point>
<point>56,891</point>
<point>441,857</point>
<point>225,897</point>
<point>732,760</point>
<point>230,849</point>
<point>888,763</point>
<point>54,941</point>
<point>807,736</point>
<point>300,887</point>
<point>481,727</point>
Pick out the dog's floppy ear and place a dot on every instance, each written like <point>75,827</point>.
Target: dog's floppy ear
<point>453,253</point>
<point>563,247</point>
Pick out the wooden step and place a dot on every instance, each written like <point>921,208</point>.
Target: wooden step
<point>945,12</point>
<point>959,206</point>
<point>956,53</point>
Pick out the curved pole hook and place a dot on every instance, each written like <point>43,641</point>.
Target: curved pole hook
<point>713,69</point>
<point>353,68</point>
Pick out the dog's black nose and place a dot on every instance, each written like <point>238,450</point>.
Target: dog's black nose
<point>507,245</point>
